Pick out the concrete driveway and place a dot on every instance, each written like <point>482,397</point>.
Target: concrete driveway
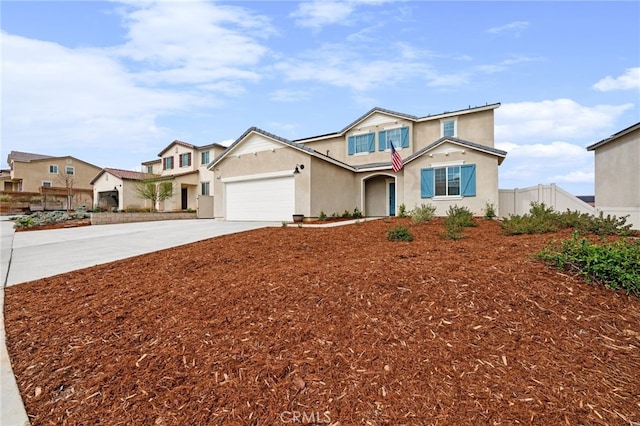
<point>40,254</point>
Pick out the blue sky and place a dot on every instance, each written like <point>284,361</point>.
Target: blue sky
<point>113,83</point>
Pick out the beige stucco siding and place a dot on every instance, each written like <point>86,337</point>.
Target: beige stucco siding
<point>333,189</point>
<point>34,173</point>
<point>175,151</point>
<point>610,160</point>
<point>486,181</point>
<point>617,183</point>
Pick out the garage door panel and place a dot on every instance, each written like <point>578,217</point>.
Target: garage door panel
<point>263,199</point>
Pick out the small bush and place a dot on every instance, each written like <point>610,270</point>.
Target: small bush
<point>614,265</point>
<point>457,219</point>
<point>399,233</point>
<point>357,214</point>
<point>402,210</point>
<point>460,215</point>
<point>489,211</point>
<point>322,216</point>
<point>422,214</point>
<point>346,214</point>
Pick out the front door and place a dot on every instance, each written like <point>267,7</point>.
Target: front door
<point>392,198</point>
<point>184,198</point>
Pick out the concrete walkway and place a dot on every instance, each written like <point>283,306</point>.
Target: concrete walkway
<point>27,256</point>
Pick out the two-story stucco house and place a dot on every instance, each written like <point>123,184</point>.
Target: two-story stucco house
<point>185,165</point>
<point>58,179</point>
<point>448,159</point>
<point>617,180</point>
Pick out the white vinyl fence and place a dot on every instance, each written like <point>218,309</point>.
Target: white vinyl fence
<point>518,201</point>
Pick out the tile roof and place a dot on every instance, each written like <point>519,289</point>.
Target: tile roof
<point>26,156</point>
<point>127,174</point>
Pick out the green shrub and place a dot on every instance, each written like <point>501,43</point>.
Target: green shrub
<point>457,219</point>
<point>489,211</point>
<point>402,210</point>
<point>399,233</point>
<point>322,216</point>
<point>357,214</point>
<point>542,219</point>
<point>460,215</point>
<point>422,214</point>
<point>346,214</point>
<point>615,265</point>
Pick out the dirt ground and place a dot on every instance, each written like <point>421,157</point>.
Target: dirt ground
<point>294,325</point>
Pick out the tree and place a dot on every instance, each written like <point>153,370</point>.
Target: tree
<point>67,178</point>
<point>154,190</point>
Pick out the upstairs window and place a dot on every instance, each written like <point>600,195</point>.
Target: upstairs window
<point>167,163</point>
<point>185,160</point>
<point>70,171</point>
<point>150,169</point>
<point>204,158</point>
<point>449,128</point>
<point>361,143</point>
<point>399,137</point>
<point>46,184</point>
<point>53,169</point>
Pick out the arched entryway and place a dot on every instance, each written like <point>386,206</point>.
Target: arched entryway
<point>380,195</point>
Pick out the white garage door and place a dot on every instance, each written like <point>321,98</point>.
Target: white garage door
<point>263,199</point>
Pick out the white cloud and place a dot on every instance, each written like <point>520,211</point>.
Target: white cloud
<point>575,176</point>
<point>550,151</point>
<point>514,27</point>
<point>285,95</point>
<point>55,96</point>
<point>342,66</point>
<point>316,14</point>
<point>194,42</point>
<point>555,119</point>
<point>630,80</point>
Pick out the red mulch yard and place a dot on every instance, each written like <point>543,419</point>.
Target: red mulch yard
<point>328,326</point>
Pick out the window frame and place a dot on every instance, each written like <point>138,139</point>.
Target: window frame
<point>73,170</point>
<point>184,155</point>
<point>444,122</point>
<point>204,162</point>
<point>166,162</point>
<point>208,187</point>
<point>47,184</point>
<point>54,167</point>
<point>398,144</point>
<point>467,181</point>
<point>353,140</point>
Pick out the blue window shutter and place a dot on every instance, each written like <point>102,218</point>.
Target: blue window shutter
<point>405,137</point>
<point>352,145</point>
<point>426,183</point>
<point>382,140</point>
<point>371,141</point>
<point>468,180</point>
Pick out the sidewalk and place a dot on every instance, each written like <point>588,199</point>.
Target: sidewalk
<point>12,412</point>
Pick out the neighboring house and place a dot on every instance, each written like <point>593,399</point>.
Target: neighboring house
<point>60,180</point>
<point>115,189</point>
<point>449,159</point>
<point>617,180</point>
<point>185,165</point>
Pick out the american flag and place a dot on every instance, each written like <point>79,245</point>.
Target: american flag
<point>396,161</point>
